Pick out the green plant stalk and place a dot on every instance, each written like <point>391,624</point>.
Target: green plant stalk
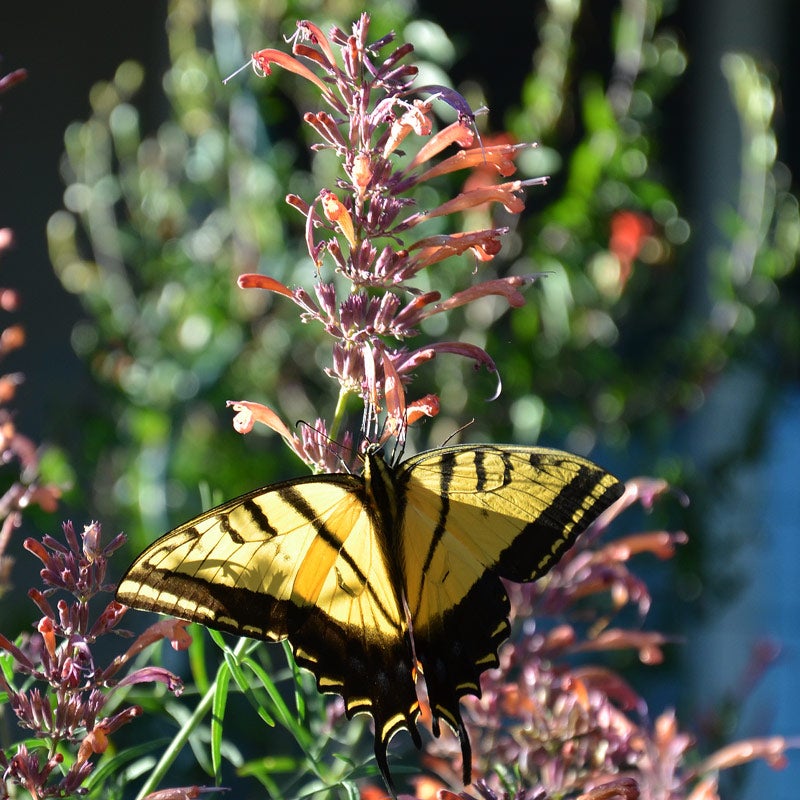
<point>171,753</point>
<point>338,414</point>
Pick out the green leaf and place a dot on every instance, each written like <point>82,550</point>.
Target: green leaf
<point>281,710</point>
<point>299,695</point>
<point>197,659</point>
<point>176,745</point>
<point>217,716</point>
<point>113,766</point>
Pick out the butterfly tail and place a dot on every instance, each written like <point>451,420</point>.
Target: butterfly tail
<point>383,766</point>
<point>456,648</point>
<point>381,748</point>
<point>455,721</point>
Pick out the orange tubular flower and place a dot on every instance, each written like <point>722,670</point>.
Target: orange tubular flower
<point>415,119</point>
<point>505,193</point>
<point>484,244</point>
<point>499,156</point>
<point>336,211</point>
<point>262,60</point>
<point>255,281</point>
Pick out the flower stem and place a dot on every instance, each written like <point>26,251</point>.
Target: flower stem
<point>338,414</point>
<point>172,751</point>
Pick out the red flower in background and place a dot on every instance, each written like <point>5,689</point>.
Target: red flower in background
<point>629,230</point>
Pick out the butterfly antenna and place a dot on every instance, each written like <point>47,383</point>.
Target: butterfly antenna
<point>399,444</point>
<point>366,420</point>
<point>373,428</point>
<point>457,431</point>
<point>471,119</point>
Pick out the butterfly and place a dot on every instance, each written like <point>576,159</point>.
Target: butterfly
<point>376,577</point>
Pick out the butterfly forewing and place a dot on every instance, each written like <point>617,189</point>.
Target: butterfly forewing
<point>236,567</point>
<point>306,560</point>
<point>514,508</point>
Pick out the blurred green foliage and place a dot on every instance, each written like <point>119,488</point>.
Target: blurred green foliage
<point>621,350</point>
<point>161,216</point>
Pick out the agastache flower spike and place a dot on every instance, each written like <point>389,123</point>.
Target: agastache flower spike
<point>67,712</point>
<point>364,226</point>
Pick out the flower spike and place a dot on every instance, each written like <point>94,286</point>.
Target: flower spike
<point>376,113</point>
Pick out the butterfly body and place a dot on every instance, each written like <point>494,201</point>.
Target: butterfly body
<point>370,576</point>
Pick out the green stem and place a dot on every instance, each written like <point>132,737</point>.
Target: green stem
<point>338,414</point>
<point>172,751</point>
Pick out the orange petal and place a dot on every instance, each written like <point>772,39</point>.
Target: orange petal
<point>263,58</point>
<point>252,280</point>
<point>256,412</point>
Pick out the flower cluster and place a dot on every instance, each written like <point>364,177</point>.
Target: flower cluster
<point>552,724</point>
<point>69,699</point>
<point>15,448</point>
<point>373,233</point>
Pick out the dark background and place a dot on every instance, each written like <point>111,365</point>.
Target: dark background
<point>65,48</point>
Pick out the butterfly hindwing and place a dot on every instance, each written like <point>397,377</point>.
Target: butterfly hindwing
<point>471,515</point>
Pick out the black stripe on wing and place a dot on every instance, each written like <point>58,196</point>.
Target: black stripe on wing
<point>542,542</point>
<point>234,609</point>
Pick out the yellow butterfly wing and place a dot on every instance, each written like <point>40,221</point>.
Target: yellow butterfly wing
<point>304,560</point>
<point>469,516</point>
